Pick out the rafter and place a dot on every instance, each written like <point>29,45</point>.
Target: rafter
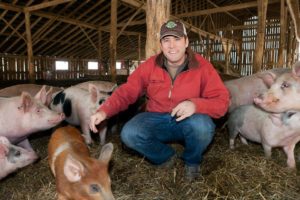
<point>239,6</point>
<point>188,25</point>
<point>46,4</point>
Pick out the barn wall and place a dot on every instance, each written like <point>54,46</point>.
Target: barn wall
<point>242,63</point>
<point>14,67</point>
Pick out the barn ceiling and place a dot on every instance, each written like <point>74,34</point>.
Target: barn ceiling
<point>69,28</point>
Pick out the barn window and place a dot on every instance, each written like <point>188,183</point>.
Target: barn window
<point>61,65</point>
<point>118,65</point>
<point>92,65</point>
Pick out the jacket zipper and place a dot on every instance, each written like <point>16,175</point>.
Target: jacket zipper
<point>170,91</point>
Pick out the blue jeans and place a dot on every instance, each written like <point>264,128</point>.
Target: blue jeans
<point>148,133</point>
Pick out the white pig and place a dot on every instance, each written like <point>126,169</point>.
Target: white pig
<point>78,105</point>
<point>13,157</point>
<point>23,115</point>
<point>271,130</point>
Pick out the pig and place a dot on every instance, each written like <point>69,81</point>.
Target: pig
<point>269,129</point>
<point>284,94</point>
<point>244,90</point>
<point>13,157</point>
<point>24,115</point>
<point>78,176</point>
<point>104,87</point>
<point>78,105</point>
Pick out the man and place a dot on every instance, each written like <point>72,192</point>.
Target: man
<point>183,93</point>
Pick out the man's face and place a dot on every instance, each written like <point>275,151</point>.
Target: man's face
<point>174,49</point>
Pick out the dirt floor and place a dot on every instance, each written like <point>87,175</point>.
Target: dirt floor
<point>243,173</point>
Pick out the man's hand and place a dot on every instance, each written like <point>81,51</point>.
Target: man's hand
<point>95,119</point>
<point>184,110</point>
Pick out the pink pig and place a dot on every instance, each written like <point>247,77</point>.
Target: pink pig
<point>13,157</point>
<point>271,130</point>
<point>245,89</point>
<point>24,115</point>
<point>284,94</point>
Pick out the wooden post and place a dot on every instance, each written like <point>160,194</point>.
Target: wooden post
<point>139,48</point>
<point>208,48</point>
<point>29,47</point>
<point>113,39</point>
<point>290,46</point>
<point>99,52</point>
<point>282,44</point>
<point>157,12</point>
<point>260,37</point>
<point>227,48</point>
<point>240,52</point>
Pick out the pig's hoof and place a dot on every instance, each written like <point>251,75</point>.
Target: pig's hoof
<point>87,140</point>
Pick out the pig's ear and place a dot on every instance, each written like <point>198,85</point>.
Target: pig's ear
<point>268,78</point>
<point>296,68</point>
<point>26,101</point>
<point>4,143</point>
<point>276,119</point>
<point>42,95</point>
<point>49,96</point>
<point>93,92</point>
<point>106,152</point>
<point>4,140</point>
<point>73,169</point>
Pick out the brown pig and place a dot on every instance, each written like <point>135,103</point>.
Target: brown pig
<point>78,176</point>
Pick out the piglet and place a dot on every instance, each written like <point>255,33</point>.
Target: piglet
<point>78,176</point>
<point>269,129</point>
<point>13,157</point>
<point>78,105</point>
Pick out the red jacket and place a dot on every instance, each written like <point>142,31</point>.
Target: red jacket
<point>201,85</point>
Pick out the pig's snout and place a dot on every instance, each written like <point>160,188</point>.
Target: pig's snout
<point>60,117</point>
<point>265,99</point>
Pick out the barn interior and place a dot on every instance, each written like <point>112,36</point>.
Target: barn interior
<point>64,42</point>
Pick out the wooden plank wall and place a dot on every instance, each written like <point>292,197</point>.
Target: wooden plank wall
<point>13,67</point>
<point>213,50</point>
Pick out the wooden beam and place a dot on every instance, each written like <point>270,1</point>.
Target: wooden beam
<point>293,6</point>
<point>29,48</point>
<point>129,20</point>
<point>282,43</point>
<point>188,25</point>
<point>242,27</point>
<point>63,19</point>
<point>113,39</point>
<point>158,12</point>
<point>239,6</point>
<point>46,4</point>
<point>90,40</point>
<point>260,37</point>
<point>99,51</point>
<point>14,30</point>
<point>228,13</point>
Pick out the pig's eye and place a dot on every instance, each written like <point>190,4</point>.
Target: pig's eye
<point>290,114</point>
<point>101,101</point>
<point>285,85</point>
<point>17,153</point>
<point>95,188</point>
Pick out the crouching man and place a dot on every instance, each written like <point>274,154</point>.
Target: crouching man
<point>184,92</point>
